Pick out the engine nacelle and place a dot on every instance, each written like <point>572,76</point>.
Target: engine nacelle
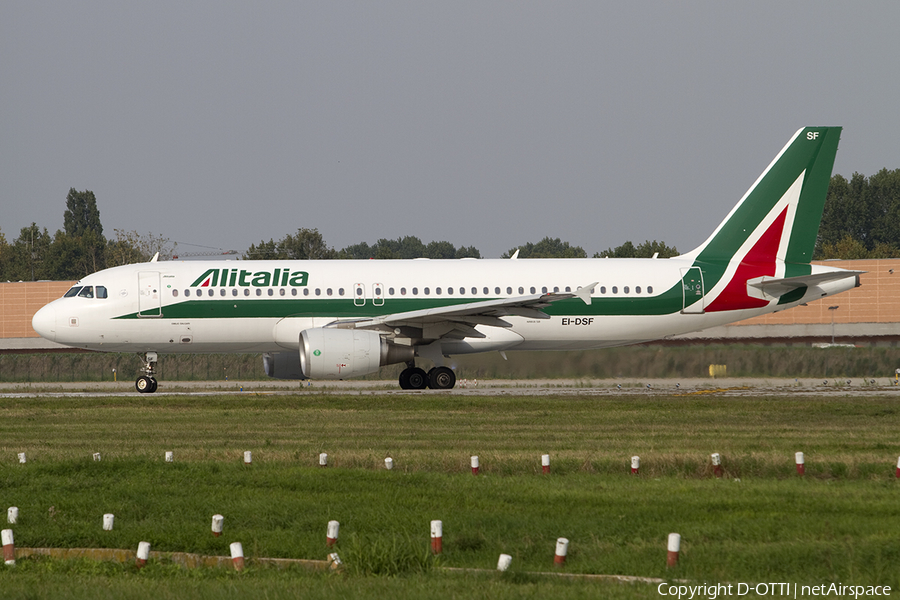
<point>345,353</point>
<point>282,365</point>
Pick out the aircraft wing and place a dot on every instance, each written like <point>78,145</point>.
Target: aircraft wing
<point>459,320</point>
<point>768,288</point>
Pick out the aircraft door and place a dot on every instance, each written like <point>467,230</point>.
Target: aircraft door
<point>377,294</point>
<point>149,294</point>
<point>692,291</point>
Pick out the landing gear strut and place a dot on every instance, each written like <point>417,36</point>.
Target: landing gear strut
<point>146,383</point>
<point>438,378</point>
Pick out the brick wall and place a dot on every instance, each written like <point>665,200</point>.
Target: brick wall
<point>19,302</point>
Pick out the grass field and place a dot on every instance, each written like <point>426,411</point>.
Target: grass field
<point>839,523</point>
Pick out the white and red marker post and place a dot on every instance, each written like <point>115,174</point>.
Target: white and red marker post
<point>898,467</point>
<point>323,459</point>
<point>331,535</point>
<point>545,464</point>
<point>475,465</point>
<point>237,556</point>
<point>143,554</point>
<point>562,549</point>
<point>635,465</point>
<point>9,547</point>
<point>717,463</point>
<point>218,523</point>
<point>437,537</point>
<point>673,547</point>
<point>800,460</point>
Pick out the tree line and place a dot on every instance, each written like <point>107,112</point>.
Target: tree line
<point>861,220</point>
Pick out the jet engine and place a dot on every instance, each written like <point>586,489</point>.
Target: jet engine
<point>346,353</point>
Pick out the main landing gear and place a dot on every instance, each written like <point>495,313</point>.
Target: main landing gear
<point>438,378</point>
<point>146,383</point>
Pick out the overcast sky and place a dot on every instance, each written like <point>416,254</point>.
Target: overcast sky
<point>481,123</point>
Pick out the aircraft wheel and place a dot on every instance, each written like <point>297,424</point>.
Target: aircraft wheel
<point>145,385</point>
<point>416,378</point>
<point>441,378</point>
<point>404,379</point>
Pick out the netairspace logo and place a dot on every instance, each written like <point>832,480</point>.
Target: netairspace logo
<point>779,589</point>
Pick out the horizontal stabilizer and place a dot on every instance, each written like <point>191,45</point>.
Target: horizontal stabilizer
<point>769,288</point>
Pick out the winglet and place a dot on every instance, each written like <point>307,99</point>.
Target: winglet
<point>585,292</point>
<point>155,258</point>
<point>515,255</point>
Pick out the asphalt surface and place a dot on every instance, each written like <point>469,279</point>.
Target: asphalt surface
<point>730,386</point>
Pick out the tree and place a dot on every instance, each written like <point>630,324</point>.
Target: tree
<point>131,247</point>
<point>865,209</point>
<point>84,233</point>
<point>645,250</point>
<point>306,244</point>
<point>547,248</point>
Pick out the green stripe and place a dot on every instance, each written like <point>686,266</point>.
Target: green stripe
<point>666,303</point>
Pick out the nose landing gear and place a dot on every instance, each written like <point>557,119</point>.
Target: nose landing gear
<point>146,383</point>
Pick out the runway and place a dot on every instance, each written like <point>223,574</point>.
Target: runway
<point>731,386</point>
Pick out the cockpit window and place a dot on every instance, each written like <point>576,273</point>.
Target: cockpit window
<point>101,291</point>
<point>86,292</point>
<point>72,292</point>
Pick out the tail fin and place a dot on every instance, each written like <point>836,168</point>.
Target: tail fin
<point>778,218</point>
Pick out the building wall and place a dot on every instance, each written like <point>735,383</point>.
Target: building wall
<point>864,314</point>
<point>19,301</point>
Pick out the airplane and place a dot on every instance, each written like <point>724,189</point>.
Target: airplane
<point>338,319</point>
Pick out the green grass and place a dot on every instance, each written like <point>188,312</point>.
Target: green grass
<point>759,523</point>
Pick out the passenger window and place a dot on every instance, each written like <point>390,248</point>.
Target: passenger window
<point>521,290</point>
<point>234,292</point>
<point>649,289</point>
<point>187,293</point>
<point>544,290</point>
<point>306,291</point>
<point>437,291</point>
<point>615,290</point>
<point>497,291</point>
<point>318,291</point>
<point>533,290</point>
<point>72,292</point>
<point>293,291</point>
<point>281,292</point>
<point>449,291</point>
<point>637,289</point>
<point>509,291</point>
<point>403,291</point>
<point>427,291</point>
<point>556,289</point>
<point>101,292</point>
<point>602,289</point>
<point>415,291</point>
<point>341,291</point>
<point>474,291</point>
<point>390,291</point>
<point>625,289</point>
<point>462,291</point>
<point>258,292</point>
<point>222,292</point>
<point>210,292</point>
<point>271,292</point>
<point>174,293</point>
<point>86,292</point>
<point>568,289</point>
<point>246,292</point>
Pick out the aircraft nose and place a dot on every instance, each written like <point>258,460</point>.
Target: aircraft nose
<point>44,322</point>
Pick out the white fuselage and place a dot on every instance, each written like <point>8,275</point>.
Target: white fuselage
<point>262,306</point>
